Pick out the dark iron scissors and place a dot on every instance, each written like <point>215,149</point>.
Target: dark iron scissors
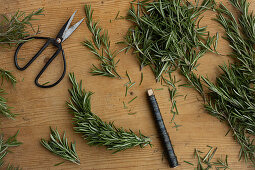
<point>63,34</point>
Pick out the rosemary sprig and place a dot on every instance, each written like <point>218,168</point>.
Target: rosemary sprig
<point>5,145</point>
<point>8,76</point>
<point>93,129</point>
<point>13,29</point>
<point>4,108</point>
<point>59,146</point>
<point>101,40</point>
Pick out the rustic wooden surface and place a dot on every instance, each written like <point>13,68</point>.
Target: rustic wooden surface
<point>40,108</point>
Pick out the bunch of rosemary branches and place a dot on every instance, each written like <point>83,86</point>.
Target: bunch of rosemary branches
<point>232,97</point>
<point>13,28</point>
<point>166,34</point>
<point>93,129</point>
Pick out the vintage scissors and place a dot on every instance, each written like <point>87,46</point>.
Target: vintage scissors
<point>63,34</point>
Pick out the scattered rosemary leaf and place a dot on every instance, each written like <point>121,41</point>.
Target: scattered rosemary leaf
<point>46,83</point>
<point>117,15</point>
<point>132,99</point>
<point>132,113</point>
<point>124,105</point>
<point>60,163</point>
<point>176,126</point>
<point>159,89</point>
<point>189,163</point>
<point>128,77</point>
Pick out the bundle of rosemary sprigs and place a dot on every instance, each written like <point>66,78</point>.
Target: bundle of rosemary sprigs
<point>166,36</point>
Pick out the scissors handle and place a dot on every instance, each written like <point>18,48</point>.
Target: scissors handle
<point>47,43</point>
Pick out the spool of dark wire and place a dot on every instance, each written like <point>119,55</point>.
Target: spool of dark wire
<point>168,148</point>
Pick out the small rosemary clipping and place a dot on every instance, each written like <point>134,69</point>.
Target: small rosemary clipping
<point>100,47</point>
<point>4,108</point>
<point>93,129</point>
<point>59,146</point>
<point>13,29</point>
<point>4,149</point>
<point>206,161</point>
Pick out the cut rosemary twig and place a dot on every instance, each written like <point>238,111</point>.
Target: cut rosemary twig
<point>4,108</point>
<point>93,129</point>
<point>13,29</point>
<point>59,146</point>
<point>8,76</point>
<point>5,145</point>
<point>100,43</point>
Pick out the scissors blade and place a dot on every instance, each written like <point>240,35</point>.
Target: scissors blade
<point>70,21</point>
<point>69,31</point>
<point>65,27</point>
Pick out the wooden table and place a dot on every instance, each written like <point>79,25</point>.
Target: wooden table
<point>40,108</point>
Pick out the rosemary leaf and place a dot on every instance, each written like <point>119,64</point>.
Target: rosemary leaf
<point>132,100</point>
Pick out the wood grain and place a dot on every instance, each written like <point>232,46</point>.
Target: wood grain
<point>40,108</point>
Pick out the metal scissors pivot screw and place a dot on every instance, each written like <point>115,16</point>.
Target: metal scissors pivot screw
<point>63,34</point>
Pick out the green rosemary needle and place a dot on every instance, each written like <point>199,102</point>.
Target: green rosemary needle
<point>101,40</point>
<point>14,29</point>
<point>59,146</point>
<point>93,129</point>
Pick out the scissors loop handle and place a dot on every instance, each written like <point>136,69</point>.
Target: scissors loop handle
<point>47,43</point>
